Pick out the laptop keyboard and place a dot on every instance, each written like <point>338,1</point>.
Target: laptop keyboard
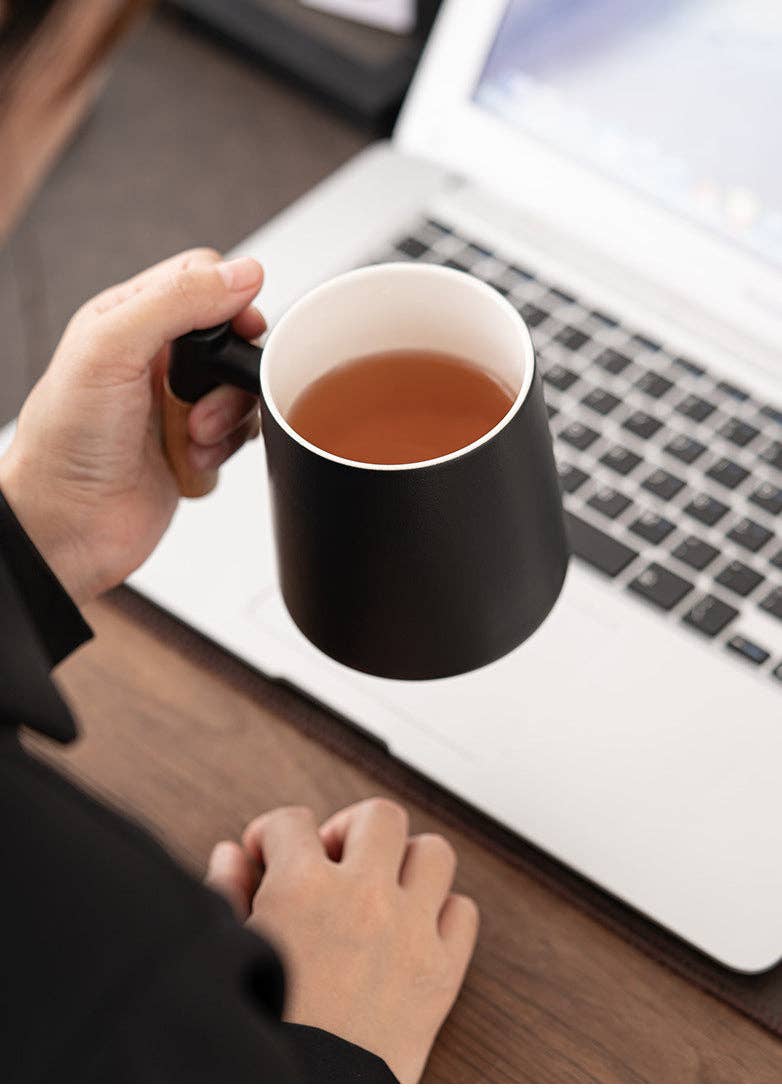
<point>671,477</point>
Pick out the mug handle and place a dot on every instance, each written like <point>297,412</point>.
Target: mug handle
<point>199,362</point>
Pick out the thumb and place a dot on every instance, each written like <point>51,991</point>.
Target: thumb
<point>232,873</point>
<point>155,310</point>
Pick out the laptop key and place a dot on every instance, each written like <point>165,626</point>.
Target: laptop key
<point>696,408</point>
<point>621,460</point>
<point>413,247</point>
<point>612,361</point>
<point>661,587</point>
<point>773,455</point>
<point>689,366</point>
<point>738,432</point>
<point>652,528</point>
<point>710,615</point>
<point>532,315</point>
<point>747,649</point>
<point>773,413</point>
<point>452,263</point>
<point>685,449</point>
<point>739,578</point>
<point>773,603</point>
<point>778,672</point>
<point>578,435</point>
<point>776,559</point>
<point>521,274</point>
<point>751,535</point>
<point>600,401</point>
<point>604,319</point>
<point>662,484</point>
<point>570,477</point>
<point>733,391</point>
<point>609,502</point>
<point>559,297</point>
<point>727,473</point>
<point>645,342</point>
<point>695,552</point>
<point>642,425</point>
<point>706,509</point>
<point>596,548</point>
<point>769,497</point>
<point>572,338</point>
<point>560,377</point>
<point>653,384</point>
<point>472,254</point>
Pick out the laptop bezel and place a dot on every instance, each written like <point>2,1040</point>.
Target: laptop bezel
<point>440,121</point>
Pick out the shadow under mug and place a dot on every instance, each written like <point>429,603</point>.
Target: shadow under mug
<point>416,571</point>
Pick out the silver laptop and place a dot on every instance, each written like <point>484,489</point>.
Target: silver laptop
<point>608,168</point>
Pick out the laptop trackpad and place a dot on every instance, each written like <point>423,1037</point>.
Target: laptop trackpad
<point>610,740</point>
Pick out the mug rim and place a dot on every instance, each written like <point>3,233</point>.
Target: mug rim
<point>404,268</point>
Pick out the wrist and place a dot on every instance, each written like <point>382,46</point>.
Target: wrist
<point>44,524</point>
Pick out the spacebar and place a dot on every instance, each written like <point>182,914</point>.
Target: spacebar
<point>596,548</point>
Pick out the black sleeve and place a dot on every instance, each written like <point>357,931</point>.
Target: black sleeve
<point>60,626</point>
<point>116,965</point>
<point>327,1058</point>
<point>119,967</point>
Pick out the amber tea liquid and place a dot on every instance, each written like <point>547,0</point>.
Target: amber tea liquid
<point>398,407</point>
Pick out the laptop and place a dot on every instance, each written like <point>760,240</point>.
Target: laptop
<point>603,166</point>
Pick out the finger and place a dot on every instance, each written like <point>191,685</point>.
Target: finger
<point>197,255</point>
<point>233,873</point>
<point>249,324</point>
<point>164,307</point>
<point>283,836</point>
<point>428,869</point>
<point>371,835</point>
<point>212,457</point>
<point>118,293</point>
<point>458,925</point>
<point>219,413</point>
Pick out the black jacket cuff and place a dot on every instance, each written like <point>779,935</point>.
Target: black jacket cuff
<point>327,1058</point>
<point>58,623</point>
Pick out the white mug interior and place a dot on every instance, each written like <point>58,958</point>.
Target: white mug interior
<point>390,307</point>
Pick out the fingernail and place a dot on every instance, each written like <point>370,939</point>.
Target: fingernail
<point>239,274</point>
<point>222,852</point>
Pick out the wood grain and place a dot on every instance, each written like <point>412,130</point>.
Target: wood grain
<point>194,744</point>
<point>193,483</point>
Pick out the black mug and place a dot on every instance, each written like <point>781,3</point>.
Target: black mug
<point>416,571</point>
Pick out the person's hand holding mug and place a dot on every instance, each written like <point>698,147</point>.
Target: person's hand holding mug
<point>357,901</point>
<point>86,474</point>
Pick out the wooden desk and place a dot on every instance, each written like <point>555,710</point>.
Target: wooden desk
<point>194,744</point>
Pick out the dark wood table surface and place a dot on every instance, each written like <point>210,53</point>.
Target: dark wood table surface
<point>191,145</point>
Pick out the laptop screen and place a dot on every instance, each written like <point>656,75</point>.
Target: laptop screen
<point>676,98</point>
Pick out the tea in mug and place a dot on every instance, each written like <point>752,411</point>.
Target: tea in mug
<point>399,407</point>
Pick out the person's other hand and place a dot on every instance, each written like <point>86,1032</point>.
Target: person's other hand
<point>376,944</point>
<point>86,473</point>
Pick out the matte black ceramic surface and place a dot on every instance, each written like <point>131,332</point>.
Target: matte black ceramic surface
<point>414,573</point>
